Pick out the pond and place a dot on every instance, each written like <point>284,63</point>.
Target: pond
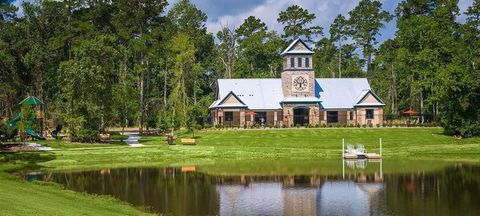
<point>316,188</point>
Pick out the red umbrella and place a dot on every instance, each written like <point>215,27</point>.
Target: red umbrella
<point>410,112</point>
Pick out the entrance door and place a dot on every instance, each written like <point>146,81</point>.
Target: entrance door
<point>301,116</point>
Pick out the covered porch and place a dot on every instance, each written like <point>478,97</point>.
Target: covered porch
<point>240,117</point>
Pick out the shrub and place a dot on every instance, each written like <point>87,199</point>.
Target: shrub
<point>3,128</point>
<point>86,136</point>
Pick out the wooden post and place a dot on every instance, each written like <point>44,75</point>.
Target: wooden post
<point>380,147</point>
<point>343,148</point>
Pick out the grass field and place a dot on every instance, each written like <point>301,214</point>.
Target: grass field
<point>285,151</point>
<point>298,144</point>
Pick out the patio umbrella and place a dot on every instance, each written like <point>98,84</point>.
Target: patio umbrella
<point>410,112</point>
<point>31,100</point>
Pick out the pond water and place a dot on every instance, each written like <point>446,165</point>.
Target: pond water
<point>355,188</point>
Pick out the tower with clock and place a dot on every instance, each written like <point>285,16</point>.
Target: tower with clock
<point>298,77</point>
<point>300,104</point>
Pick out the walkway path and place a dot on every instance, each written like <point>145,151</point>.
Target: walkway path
<point>132,140</point>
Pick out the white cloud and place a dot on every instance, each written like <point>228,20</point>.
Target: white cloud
<point>325,10</point>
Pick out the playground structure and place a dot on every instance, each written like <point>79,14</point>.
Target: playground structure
<point>29,121</point>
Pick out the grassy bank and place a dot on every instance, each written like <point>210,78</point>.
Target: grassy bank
<point>226,152</point>
<point>288,144</point>
<point>19,197</point>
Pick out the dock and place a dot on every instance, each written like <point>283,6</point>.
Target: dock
<point>359,152</point>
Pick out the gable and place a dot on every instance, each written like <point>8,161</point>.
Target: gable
<point>300,47</point>
<point>297,47</point>
<point>369,98</point>
<point>231,100</point>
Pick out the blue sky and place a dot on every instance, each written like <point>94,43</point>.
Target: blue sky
<point>232,13</point>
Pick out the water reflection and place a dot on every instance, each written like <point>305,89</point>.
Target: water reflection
<point>361,189</point>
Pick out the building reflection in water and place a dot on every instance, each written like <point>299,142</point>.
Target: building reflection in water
<point>361,189</point>
<point>352,195</point>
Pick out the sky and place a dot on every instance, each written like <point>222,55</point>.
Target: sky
<point>232,13</point>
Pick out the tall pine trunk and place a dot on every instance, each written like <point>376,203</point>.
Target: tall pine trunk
<point>142,98</point>
<point>340,60</point>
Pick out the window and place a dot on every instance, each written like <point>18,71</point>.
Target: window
<point>260,117</point>
<point>299,62</point>
<point>228,116</point>
<point>369,114</point>
<point>292,62</point>
<point>351,115</point>
<point>307,62</point>
<point>332,116</point>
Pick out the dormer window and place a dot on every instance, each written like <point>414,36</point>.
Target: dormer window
<point>292,62</point>
<point>307,62</point>
<point>299,62</point>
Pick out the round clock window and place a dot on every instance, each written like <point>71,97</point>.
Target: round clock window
<point>300,83</point>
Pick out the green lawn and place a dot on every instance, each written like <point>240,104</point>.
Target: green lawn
<point>297,144</point>
<point>227,152</point>
<point>21,198</point>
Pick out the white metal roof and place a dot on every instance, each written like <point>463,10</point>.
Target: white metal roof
<point>341,92</point>
<point>255,93</point>
<point>261,94</point>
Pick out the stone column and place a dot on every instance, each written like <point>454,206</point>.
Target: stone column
<point>275,118</point>
<point>348,117</point>
<point>287,116</point>
<point>242,117</point>
<point>314,115</point>
<point>355,118</point>
<point>325,117</point>
<point>252,118</point>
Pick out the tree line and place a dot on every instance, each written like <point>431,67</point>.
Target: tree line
<point>102,63</point>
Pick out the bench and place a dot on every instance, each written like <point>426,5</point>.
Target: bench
<point>186,141</point>
<point>105,137</point>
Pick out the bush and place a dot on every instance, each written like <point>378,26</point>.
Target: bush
<point>3,128</point>
<point>86,136</point>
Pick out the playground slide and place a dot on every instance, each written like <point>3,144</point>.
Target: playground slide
<point>28,130</point>
<point>34,134</point>
<point>14,120</point>
<point>56,132</point>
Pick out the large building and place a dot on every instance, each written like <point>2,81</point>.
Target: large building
<point>298,98</point>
